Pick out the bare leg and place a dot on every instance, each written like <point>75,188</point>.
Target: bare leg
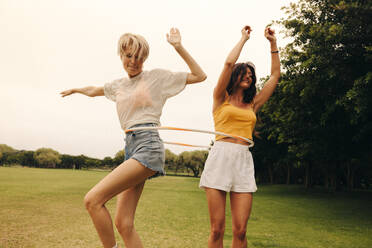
<point>216,205</point>
<point>241,206</point>
<point>126,175</point>
<point>124,217</point>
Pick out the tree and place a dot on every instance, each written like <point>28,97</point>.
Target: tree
<point>47,157</point>
<point>5,151</point>
<point>11,158</point>
<point>26,158</point>
<point>92,162</point>
<point>108,161</point>
<point>5,148</point>
<point>326,107</point>
<point>119,157</point>
<point>194,160</point>
<point>78,161</point>
<point>171,161</point>
<point>318,121</point>
<point>67,161</point>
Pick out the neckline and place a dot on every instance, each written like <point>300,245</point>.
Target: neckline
<point>250,108</point>
<point>136,76</point>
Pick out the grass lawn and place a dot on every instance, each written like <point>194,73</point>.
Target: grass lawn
<point>44,208</point>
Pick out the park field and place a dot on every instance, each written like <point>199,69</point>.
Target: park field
<point>44,208</point>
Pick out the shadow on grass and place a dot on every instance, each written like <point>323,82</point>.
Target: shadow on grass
<point>354,206</point>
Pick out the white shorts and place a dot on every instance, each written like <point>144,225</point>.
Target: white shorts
<point>229,167</point>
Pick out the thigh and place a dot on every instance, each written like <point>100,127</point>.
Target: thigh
<point>216,205</point>
<point>241,206</point>
<point>126,175</point>
<point>127,201</point>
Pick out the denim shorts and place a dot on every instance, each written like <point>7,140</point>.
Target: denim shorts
<point>146,147</point>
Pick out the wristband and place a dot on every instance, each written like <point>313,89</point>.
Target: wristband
<point>275,51</point>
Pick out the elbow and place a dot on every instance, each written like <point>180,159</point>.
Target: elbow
<point>200,78</point>
<point>276,75</point>
<point>203,77</point>
<point>196,78</point>
<point>91,93</point>
<point>229,64</point>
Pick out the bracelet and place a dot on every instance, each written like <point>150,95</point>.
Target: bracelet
<point>275,51</point>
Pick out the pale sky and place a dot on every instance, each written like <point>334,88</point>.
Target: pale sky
<point>48,46</point>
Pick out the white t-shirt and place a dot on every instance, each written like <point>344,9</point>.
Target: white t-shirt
<point>140,99</point>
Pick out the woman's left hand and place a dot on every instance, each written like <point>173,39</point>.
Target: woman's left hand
<point>270,34</point>
<point>174,37</point>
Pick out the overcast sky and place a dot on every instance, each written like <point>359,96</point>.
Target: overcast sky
<point>48,46</point>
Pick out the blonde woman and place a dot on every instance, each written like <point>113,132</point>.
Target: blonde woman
<point>229,167</point>
<point>139,99</point>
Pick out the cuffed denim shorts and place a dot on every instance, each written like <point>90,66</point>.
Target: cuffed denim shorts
<point>146,147</point>
<point>229,167</point>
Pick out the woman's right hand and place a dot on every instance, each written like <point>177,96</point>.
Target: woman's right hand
<point>90,91</point>
<point>246,32</point>
<point>67,92</point>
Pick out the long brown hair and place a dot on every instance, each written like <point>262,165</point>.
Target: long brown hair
<point>239,70</point>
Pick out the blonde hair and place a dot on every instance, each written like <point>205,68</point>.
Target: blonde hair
<point>134,43</point>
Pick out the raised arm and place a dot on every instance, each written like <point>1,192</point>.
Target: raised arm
<point>271,84</point>
<point>219,92</point>
<point>91,91</point>
<point>197,74</point>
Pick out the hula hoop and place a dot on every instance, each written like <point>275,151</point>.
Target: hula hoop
<point>249,141</point>
<point>183,144</point>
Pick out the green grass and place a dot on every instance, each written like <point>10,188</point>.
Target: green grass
<point>44,208</point>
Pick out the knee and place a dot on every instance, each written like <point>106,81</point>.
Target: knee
<point>124,225</point>
<point>217,232</point>
<point>240,233</point>
<point>90,203</point>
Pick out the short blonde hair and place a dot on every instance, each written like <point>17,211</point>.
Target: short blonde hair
<point>135,43</point>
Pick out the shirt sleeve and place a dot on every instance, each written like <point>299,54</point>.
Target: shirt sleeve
<point>172,83</point>
<point>110,90</point>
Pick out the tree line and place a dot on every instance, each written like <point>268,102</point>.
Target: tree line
<point>49,158</point>
<point>188,163</point>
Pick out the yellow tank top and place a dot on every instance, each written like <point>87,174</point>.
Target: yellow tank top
<point>230,119</point>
